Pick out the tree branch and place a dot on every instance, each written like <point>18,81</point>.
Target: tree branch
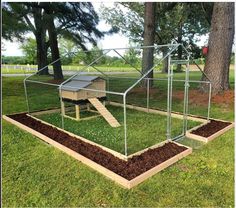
<point>205,13</point>
<point>29,23</point>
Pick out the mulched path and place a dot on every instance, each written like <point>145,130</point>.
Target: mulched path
<point>127,169</point>
<point>210,128</point>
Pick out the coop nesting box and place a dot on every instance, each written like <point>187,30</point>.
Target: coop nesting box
<point>75,89</point>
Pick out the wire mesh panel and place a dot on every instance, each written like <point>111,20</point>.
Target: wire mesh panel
<point>199,98</point>
<point>144,128</point>
<point>112,105</point>
<point>42,97</point>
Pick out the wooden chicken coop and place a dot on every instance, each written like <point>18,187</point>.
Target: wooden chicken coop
<point>74,91</point>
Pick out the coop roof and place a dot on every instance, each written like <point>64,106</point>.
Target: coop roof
<point>85,78</point>
<point>75,85</point>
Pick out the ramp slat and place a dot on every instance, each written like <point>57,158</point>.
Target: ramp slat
<point>104,112</point>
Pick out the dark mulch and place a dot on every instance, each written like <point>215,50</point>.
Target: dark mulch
<point>127,169</point>
<point>210,128</point>
<point>56,81</point>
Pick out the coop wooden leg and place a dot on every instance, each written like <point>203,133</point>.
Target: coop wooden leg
<point>77,112</point>
<point>88,107</point>
<point>63,108</point>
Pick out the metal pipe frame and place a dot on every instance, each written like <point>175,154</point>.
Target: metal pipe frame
<point>179,61</point>
<point>209,103</point>
<point>125,126</point>
<point>186,87</point>
<point>143,77</point>
<point>128,62</point>
<point>171,89</point>
<point>139,80</point>
<point>192,59</point>
<point>26,96</point>
<point>168,110</point>
<point>131,87</point>
<point>174,80</point>
<point>84,68</point>
<point>26,79</point>
<point>132,47</point>
<point>148,89</point>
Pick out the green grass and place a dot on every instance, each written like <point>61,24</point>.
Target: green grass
<point>36,174</point>
<point>24,70</point>
<point>143,130</point>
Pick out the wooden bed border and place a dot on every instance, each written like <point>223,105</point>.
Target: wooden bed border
<point>113,152</point>
<point>108,173</point>
<point>208,139</point>
<point>179,116</point>
<point>143,109</point>
<point>161,112</point>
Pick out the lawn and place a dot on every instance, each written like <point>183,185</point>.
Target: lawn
<point>36,174</point>
<point>24,69</point>
<point>143,130</point>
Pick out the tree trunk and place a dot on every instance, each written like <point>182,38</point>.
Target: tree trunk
<point>40,35</point>
<point>220,47</point>
<point>149,36</point>
<point>52,33</point>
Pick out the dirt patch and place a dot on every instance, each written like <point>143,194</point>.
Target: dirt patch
<point>227,97</point>
<point>56,81</point>
<point>210,128</point>
<point>127,169</point>
<point>199,98</point>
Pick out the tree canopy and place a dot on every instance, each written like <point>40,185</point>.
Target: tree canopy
<point>182,22</point>
<point>75,21</point>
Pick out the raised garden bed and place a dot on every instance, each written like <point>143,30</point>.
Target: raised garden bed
<point>127,173</point>
<point>209,130</point>
<point>144,129</point>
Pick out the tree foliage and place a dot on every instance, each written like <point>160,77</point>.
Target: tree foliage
<point>29,50</point>
<point>75,21</point>
<point>172,21</point>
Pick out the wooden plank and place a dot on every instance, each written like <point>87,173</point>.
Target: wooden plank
<point>207,139</point>
<point>139,179</point>
<point>198,126</point>
<point>222,131</point>
<point>113,176</point>
<point>88,107</point>
<point>82,119</point>
<point>63,112</point>
<point>174,115</point>
<point>77,110</point>
<point>56,110</point>
<point>196,137</point>
<point>113,152</point>
<point>46,112</point>
<point>104,112</point>
<point>151,147</point>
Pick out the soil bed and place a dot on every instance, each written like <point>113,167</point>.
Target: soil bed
<point>210,128</point>
<point>127,169</point>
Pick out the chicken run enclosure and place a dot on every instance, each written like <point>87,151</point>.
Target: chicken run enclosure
<point>124,113</point>
<point>120,121</point>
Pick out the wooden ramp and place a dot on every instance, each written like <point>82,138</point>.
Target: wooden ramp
<point>104,112</point>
